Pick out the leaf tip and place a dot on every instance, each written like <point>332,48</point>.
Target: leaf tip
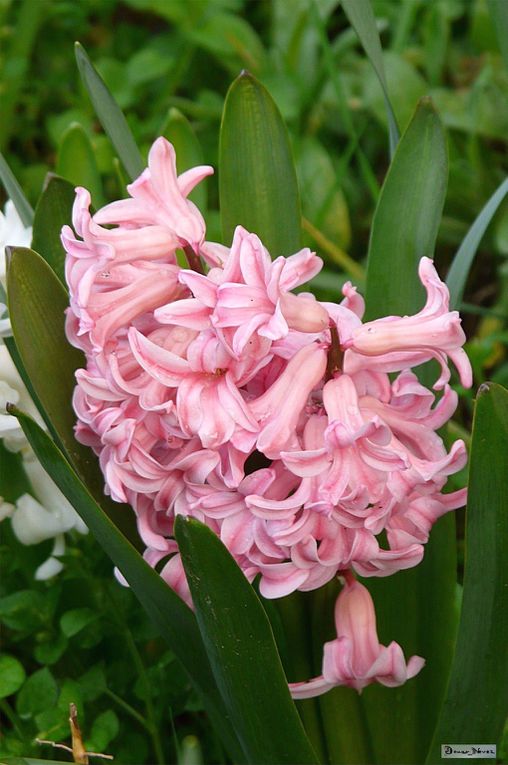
<point>11,409</point>
<point>483,389</point>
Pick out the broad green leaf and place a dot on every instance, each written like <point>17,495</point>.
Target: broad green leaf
<point>404,229</point>
<point>39,692</point>
<point>15,192</point>
<point>476,701</point>
<point>104,729</point>
<point>463,260</point>
<point>75,620</point>
<point>54,210</point>
<point>361,17</point>
<point>173,618</point>
<point>110,115</point>
<point>407,216</point>
<point>12,675</point>
<point>242,652</point>
<point>257,179</point>
<point>37,302</point>
<point>178,130</point>
<point>77,164</point>
<point>499,12</point>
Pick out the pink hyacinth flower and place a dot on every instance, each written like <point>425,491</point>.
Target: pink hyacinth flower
<point>159,197</point>
<point>394,343</point>
<point>356,658</point>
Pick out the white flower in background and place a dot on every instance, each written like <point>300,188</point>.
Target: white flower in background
<point>12,233</point>
<point>46,514</point>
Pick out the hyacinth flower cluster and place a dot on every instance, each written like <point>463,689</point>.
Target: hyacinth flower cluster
<point>292,429</point>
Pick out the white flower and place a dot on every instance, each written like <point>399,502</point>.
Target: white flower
<point>47,514</point>
<point>12,233</point>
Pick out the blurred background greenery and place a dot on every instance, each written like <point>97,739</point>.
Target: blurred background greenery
<point>81,637</point>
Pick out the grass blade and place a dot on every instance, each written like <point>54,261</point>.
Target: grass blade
<point>109,114</point>
<point>15,192</point>
<point>362,19</point>
<point>463,260</point>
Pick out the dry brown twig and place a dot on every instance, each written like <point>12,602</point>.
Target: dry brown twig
<point>78,751</point>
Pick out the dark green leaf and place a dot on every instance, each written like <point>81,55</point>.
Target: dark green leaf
<point>77,164</point>
<point>76,620</point>
<point>257,179</point>
<point>416,608</point>
<point>110,115</point>
<point>13,479</point>
<point>39,692</point>
<point>12,675</point>
<point>104,729</point>
<point>54,210</point>
<point>173,618</point>
<point>480,665</point>
<point>37,302</point>
<point>407,216</point>
<point>240,645</point>
<point>361,17</point>
<point>463,260</point>
<point>15,192</point>
<point>50,652</point>
<point>24,610</point>
<point>499,12</point>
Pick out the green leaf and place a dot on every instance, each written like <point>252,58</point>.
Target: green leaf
<point>242,652</point>
<point>77,164</point>
<point>110,115</point>
<point>37,302</point>
<point>12,675</point>
<point>15,192</point>
<point>499,12</point>
<point>75,620</point>
<point>463,260</point>
<point>13,479</point>
<point>480,664</point>
<point>178,130</point>
<point>231,39</point>
<point>402,720</point>
<point>104,729</point>
<point>39,692</point>
<point>50,652</point>
<point>407,216</point>
<point>361,17</point>
<point>54,210</point>
<point>25,610</point>
<point>173,618</point>
<point>257,179</point>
